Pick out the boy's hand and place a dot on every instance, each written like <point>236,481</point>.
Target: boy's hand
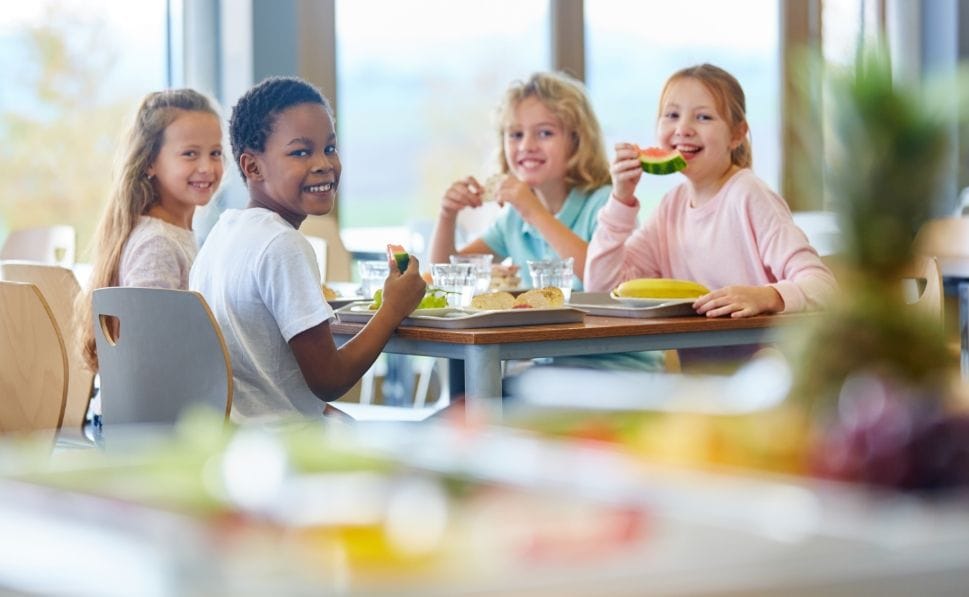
<point>403,291</point>
<point>739,301</point>
<point>626,172</point>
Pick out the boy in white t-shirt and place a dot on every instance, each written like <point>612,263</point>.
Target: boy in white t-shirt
<point>259,274</point>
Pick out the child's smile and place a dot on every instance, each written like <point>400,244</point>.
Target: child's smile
<point>298,173</point>
<point>691,123</point>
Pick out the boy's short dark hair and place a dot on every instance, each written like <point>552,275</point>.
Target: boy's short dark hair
<point>255,113</point>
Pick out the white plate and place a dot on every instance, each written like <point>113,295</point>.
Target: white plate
<point>364,307</point>
<point>454,318</point>
<point>649,302</point>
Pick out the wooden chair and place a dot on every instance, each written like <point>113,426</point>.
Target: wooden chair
<point>924,294</point>
<point>163,352</point>
<point>337,257</point>
<point>60,289</point>
<point>319,249</point>
<point>48,244</point>
<point>946,239</point>
<point>33,363</point>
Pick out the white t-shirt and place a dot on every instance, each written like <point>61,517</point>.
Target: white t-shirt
<point>157,255</point>
<point>259,277</point>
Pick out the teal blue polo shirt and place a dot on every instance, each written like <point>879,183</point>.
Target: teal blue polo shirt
<point>511,236</point>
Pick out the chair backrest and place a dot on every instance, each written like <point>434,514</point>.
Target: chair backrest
<point>48,244</point>
<point>162,353</point>
<point>925,295</point>
<point>60,289</point>
<point>822,230</point>
<point>337,257</point>
<point>33,362</point>
<point>946,239</point>
<point>319,248</point>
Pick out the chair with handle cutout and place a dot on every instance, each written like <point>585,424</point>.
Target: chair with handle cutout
<point>159,352</point>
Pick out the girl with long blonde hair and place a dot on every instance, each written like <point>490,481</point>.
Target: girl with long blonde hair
<point>169,163</point>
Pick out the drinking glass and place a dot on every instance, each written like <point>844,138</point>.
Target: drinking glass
<point>547,273</point>
<point>458,280</point>
<point>372,276</point>
<point>481,263</point>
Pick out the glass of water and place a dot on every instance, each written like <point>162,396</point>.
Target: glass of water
<point>481,263</point>
<point>547,273</point>
<point>458,280</point>
<point>372,276</point>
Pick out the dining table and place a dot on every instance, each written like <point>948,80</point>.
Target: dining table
<point>483,349</point>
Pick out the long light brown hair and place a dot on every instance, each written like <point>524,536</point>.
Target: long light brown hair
<point>563,96</point>
<point>132,195</point>
<point>730,102</point>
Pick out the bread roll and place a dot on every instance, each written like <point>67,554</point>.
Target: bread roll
<point>493,301</point>
<point>540,298</point>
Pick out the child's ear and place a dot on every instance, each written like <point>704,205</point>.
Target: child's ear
<point>739,134</point>
<point>249,166</point>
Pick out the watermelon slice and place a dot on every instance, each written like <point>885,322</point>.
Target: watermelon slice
<point>398,254</point>
<point>661,161</point>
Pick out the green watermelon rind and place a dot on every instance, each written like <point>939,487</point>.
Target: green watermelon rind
<point>402,259</point>
<point>662,167</point>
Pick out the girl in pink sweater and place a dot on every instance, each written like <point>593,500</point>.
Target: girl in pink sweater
<point>723,227</point>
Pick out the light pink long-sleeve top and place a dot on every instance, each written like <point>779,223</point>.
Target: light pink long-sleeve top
<point>744,235</point>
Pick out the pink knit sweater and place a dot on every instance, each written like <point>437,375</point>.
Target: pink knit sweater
<point>744,235</point>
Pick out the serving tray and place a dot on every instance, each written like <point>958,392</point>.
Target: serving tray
<point>601,303</point>
<point>455,318</point>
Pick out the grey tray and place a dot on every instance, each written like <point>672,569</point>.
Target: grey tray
<point>600,303</point>
<point>456,319</point>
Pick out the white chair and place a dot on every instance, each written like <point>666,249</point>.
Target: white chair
<point>162,353</point>
<point>33,363</point>
<point>54,245</point>
<point>60,289</point>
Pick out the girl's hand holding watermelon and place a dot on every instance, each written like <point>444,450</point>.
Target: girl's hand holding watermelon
<point>626,172</point>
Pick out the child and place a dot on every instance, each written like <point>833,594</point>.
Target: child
<point>555,177</point>
<point>170,163</point>
<point>259,274</point>
<point>723,227</point>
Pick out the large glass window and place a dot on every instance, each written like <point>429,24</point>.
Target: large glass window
<point>418,83</point>
<point>634,45</point>
<point>74,72</point>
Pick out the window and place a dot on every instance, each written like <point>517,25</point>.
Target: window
<point>634,45</point>
<point>74,72</point>
<point>418,83</point>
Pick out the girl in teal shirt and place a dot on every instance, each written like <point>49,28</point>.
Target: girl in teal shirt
<point>555,178</point>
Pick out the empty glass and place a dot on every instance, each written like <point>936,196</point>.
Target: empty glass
<point>372,276</point>
<point>481,262</point>
<point>557,273</point>
<point>458,280</point>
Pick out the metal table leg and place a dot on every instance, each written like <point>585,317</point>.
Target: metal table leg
<point>964,327</point>
<point>482,379</point>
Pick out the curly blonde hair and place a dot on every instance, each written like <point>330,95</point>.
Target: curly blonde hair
<point>563,96</point>
<point>132,195</point>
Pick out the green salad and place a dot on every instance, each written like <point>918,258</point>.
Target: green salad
<point>434,299</point>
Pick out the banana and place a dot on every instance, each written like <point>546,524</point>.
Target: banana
<point>660,288</point>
